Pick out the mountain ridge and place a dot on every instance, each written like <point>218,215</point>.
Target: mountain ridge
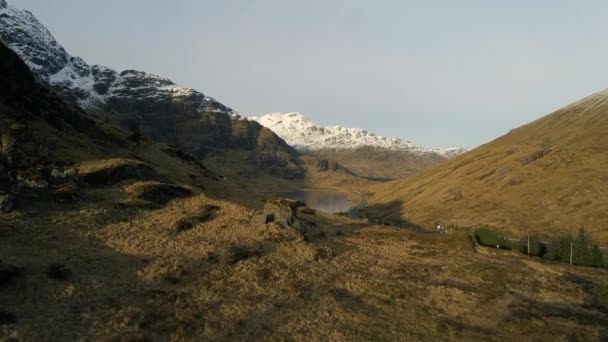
<point>305,135</point>
<point>150,105</point>
<point>92,85</point>
<point>546,177</point>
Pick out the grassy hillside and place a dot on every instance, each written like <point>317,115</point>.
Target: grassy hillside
<point>548,176</point>
<point>379,163</point>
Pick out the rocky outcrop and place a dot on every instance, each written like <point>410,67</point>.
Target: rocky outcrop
<point>325,165</point>
<point>283,212</point>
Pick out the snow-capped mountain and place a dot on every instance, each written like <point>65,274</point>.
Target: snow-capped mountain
<point>160,109</point>
<point>303,134</point>
<point>91,85</point>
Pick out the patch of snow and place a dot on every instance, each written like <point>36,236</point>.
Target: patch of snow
<point>94,85</point>
<point>304,134</point>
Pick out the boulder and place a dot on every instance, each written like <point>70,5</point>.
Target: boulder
<point>36,184</point>
<point>283,212</point>
<point>58,177</point>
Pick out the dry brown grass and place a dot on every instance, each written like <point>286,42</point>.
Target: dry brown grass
<point>109,266</point>
<point>157,192</point>
<point>546,177</point>
<point>110,171</point>
<point>134,275</point>
<point>381,164</point>
<point>106,165</point>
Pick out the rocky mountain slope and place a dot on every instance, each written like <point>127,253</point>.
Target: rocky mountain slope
<point>45,143</point>
<point>139,101</point>
<point>548,176</point>
<point>304,134</point>
<point>365,153</point>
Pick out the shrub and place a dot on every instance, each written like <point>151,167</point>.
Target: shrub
<point>489,238</point>
<point>559,248</point>
<point>584,251</point>
<point>597,257</point>
<point>537,248</point>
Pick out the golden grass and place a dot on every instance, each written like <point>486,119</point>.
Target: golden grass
<point>157,191</point>
<point>544,178</point>
<point>105,165</point>
<point>133,274</point>
<point>111,267</point>
<point>380,164</point>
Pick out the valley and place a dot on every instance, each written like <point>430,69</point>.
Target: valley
<point>355,150</point>
<point>132,208</point>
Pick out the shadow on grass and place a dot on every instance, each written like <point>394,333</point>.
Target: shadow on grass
<point>391,214</point>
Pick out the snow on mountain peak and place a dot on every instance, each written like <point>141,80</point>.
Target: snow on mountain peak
<point>92,86</point>
<point>304,134</point>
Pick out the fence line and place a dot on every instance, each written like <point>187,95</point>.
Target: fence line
<point>525,241</point>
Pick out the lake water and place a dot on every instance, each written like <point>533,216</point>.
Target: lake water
<point>330,202</point>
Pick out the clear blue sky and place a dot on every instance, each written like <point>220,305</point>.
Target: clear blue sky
<point>440,73</point>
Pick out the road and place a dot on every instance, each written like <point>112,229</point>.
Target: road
<point>354,211</point>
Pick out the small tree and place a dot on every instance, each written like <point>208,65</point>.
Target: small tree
<point>582,249</point>
<point>597,257</point>
<point>559,249</point>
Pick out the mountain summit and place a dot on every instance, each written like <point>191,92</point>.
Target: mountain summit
<point>144,103</point>
<point>91,85</point>
<point>304,134</point>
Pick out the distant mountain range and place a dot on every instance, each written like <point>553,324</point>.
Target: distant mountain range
<point>305,135</point>
<point>186,118</point>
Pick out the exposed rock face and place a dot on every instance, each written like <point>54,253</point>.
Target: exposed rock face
<point>330,165</point>
<point>283,212</point>
<point>162,110</point>
<point>380,163</point>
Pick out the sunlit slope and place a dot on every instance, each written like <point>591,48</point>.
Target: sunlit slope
<point>548,176</point>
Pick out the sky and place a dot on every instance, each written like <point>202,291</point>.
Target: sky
<point>439,73</point>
